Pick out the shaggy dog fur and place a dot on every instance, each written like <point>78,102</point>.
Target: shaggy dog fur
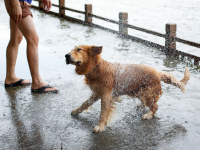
<point>108,81</point>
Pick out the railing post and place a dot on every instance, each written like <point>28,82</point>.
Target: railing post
<point>170,42</point>
<point>123,19</point>
<point>61,10</point>
<point>88,12</point>
<point>196,62</point>
<point>41,6</point>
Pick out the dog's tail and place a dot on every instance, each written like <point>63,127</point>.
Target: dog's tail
<point>112,110</point>
<point>170,79</point>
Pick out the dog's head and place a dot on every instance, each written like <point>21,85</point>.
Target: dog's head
<point>84,57</point>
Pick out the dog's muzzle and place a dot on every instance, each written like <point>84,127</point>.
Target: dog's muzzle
<point>68,57</point>
<point>69,60</point>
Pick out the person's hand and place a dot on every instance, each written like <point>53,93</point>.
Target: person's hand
<point>14,10</point>
<point>16,14</point>
<point>47,5</point>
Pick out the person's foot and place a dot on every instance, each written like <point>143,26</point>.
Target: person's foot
<point>14,80</point>
<point>41,84</point>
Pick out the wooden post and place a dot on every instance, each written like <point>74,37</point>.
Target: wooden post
<point>182,57</point>
<point>61,10</point>
<point>123,19</point>
<point>170,42</point>
<point>88,12</point>
<point>41,5</point>
<point>196,62</point>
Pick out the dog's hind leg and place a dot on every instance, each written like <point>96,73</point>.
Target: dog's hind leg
<point>153,108</point>
<point>86,104</point>
<point>149,97</point>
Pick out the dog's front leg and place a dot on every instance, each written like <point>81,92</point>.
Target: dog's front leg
<point>105,108</point>
<point>86,104</point>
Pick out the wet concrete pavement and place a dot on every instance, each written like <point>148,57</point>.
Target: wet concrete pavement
<point>43,121</point>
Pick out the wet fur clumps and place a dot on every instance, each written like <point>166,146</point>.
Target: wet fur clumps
<point>108,81</point>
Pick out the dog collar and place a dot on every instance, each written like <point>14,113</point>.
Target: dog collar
<point>94,68</point>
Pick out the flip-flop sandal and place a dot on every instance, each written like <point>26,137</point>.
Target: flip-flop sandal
<point>42,90</point>
<point>18,83</point>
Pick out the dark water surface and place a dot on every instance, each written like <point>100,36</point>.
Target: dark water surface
<point>43,121</point>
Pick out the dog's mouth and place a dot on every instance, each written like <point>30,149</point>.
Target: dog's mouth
<point>67,61</point>
<point>70,61</point>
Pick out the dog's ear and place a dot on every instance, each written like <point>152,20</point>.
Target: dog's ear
<point>97,49</point>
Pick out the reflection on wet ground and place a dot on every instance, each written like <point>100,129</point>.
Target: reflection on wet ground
<point>43,121</point>
<point>25,138</point>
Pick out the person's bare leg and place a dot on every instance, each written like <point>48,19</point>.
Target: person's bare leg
<point>27,28</point>
<point>11,53</point>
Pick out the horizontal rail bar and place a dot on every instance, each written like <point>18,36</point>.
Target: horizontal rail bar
<point>145,42</point>
<point>145,30</point>
<point>35,7</point>
<point>187,55</point>
<point>187,42</point>
<point>66,8</point>
<point>53,13</point>
<point>104,28</point>
<point>66,17</point>
<point>105,19</point>
<point>75,20</point>
<point>49,12</point>
<point>55,5</point>
<point>82,12</point>
<point>51,4</point>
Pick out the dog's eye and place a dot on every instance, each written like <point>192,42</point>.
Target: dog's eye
<point>79,49</point>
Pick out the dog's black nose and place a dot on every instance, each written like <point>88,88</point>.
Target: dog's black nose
<point>67,56</point>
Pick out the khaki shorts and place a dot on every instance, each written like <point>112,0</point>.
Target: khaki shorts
<point>25,8</point>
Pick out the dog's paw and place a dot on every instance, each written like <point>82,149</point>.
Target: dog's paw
<point>99,128</point>
<point>75,112</point>
<point>148,115</point>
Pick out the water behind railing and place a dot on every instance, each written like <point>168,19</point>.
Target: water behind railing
<point>151,15</point>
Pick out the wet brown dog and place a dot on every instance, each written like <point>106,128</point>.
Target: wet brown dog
<point>111,80</point>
